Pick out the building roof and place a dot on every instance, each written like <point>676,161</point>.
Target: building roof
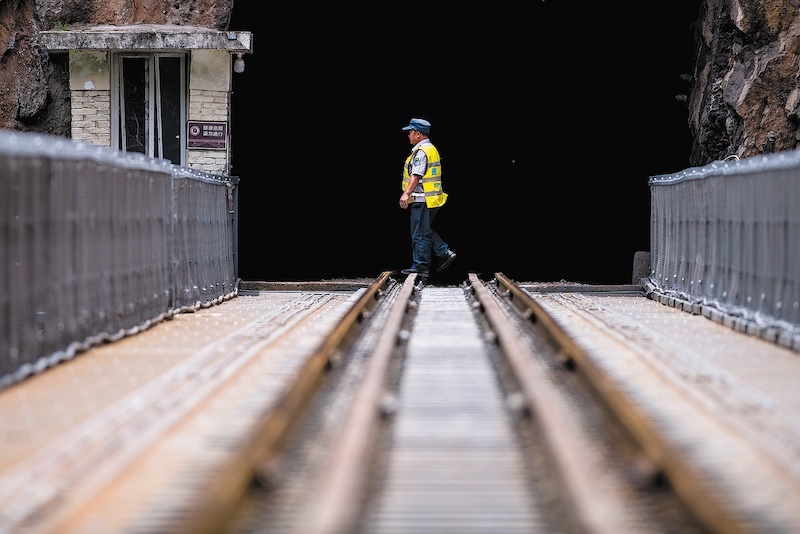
<point>146,37</point>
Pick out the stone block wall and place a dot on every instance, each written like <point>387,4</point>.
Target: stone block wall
<point>209,105</point>
<point>91,116</point>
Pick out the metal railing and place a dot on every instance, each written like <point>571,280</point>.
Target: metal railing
<point>725,243</point>
<point>98,244</point>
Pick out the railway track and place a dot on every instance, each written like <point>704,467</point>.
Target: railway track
<point>386,406</point>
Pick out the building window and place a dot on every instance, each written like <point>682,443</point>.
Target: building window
<point>149,105</point>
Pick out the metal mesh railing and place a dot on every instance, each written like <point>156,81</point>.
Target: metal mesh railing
<point>725,243</point>
<point>97,244</point>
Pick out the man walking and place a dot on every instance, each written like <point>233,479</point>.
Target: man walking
<point>423,196</point>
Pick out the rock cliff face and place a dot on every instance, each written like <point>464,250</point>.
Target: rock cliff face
<point>745,94</point>
<point>744,97</point>
<point>34,91</point>
<point>34,87</point>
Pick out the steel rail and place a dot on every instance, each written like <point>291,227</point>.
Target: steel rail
<point>664,458</point>
<point>264,447</point>
<point>41,490</point>
<point>334,508</point>
<point>595,511</point>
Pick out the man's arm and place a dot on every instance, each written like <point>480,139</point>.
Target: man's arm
<point>413,180</point>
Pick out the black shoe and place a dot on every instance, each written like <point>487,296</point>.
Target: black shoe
<point>409,271</point>
<point>448,259</point>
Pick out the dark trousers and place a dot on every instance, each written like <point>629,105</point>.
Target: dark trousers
<point>425,241</point>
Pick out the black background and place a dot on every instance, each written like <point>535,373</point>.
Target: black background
<point>550,120</point>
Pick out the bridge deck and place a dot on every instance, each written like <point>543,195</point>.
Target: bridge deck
<point>58,413</point>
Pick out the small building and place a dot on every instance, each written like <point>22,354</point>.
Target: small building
<point>161,90</point>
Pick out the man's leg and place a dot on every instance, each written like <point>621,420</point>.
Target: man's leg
<point>415,225</point>
<point>423,242</point>
<point>440,248</point>
<point>444,255</point>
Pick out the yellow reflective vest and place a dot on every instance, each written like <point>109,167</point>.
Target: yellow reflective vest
<point>432,180</point>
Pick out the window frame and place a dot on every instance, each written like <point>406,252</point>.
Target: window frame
<point>153,101</point>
